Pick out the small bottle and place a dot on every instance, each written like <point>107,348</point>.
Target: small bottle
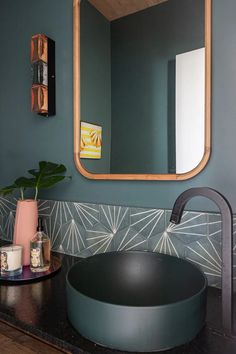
<point>40,250</point>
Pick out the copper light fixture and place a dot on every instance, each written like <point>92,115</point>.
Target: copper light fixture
<point>43,75</point>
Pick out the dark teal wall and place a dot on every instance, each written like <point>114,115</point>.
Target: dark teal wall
<point>96,80</point>
<point>26,138</point>
<point>142,46</point>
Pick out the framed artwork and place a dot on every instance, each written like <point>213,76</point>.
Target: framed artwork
<point>90,141</point>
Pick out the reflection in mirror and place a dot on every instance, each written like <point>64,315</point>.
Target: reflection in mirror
<point>143,80</point>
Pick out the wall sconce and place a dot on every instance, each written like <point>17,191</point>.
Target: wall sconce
<point>43,100</point>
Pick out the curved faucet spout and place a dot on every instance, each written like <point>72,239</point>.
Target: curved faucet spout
<point>227,245</point>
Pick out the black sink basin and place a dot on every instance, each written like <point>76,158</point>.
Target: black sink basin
<point>136,301</point>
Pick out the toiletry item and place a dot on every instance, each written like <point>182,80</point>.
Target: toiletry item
<point>25,226</point>
<point>11,260</point>
<point>40,249</point>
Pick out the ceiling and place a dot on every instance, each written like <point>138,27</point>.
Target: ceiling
<point>114,9</point>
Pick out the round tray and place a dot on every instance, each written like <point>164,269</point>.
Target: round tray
<point>27,276</point>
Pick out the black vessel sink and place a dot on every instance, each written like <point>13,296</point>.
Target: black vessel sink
<point>136,301</point>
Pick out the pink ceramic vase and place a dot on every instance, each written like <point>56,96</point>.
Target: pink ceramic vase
<point>25,226</point>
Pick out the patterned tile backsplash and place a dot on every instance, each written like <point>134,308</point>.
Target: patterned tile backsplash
<point>81,229</point>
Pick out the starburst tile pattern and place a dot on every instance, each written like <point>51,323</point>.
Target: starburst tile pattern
<point>64,226</point>
<point>8,225</point>
<point>166,243</point>
<point>99,239</point>
<point>1,226</point>
<point>72,237</point>
<point>149,221</point>
<point>214,225</point>
<point>83,229</point>
<point>114,217</point>
<point>193,227</point>
<point>7,205</point>
<point>206,255</point>
<point>7,214</point>
<point>87,214</point>
<point>129,239</point>
<point>58,211</point>
<point>44,208</point>
<point>52,229</point>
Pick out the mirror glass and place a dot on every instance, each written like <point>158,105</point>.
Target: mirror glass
<point>142,86</point>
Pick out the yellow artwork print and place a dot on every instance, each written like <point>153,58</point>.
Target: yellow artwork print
<point>90,141</point>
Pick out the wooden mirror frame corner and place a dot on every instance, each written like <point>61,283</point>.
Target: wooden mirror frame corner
<point>76,107</point>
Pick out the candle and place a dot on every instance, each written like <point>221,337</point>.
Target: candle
<point>11,260</point>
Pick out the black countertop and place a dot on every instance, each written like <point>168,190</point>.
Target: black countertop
<point>40,308</point>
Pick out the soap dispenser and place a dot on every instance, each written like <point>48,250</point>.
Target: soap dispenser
<point>40,250</point>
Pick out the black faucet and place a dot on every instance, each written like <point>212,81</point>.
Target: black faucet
<point>227,245</point>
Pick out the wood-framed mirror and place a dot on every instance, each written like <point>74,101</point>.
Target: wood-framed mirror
<point>141,88</point>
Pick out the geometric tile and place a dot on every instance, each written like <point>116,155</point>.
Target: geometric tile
<point>7,205</point>
<point>98,239</point>
<point>214,226</point>
<point>149,222</point>
<point>193,227</point>
<point>84,229</point>
<point>114,218</point>
<point>44,208</point>
<point>7,214</point>
<point>86,214</point>
<point>58,211</point>
<point>72,236</point>
<point>1,227</point>
<point>166,243</point>
<point>8,222</point>
<point>85,253</point>
<point>206,254</point>
<point>52,229</point>
<point>129,239</point>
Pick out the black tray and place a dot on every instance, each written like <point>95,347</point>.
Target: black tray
<point>27,276</point>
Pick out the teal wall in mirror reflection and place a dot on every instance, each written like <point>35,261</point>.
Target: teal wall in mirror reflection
<point>96,80</point>
<point>143,45</point>
<point>128,83</point>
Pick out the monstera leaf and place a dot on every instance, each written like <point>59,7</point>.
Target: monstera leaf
<point>20,183</point>
<point>8,189</point>
<point>46,176</point>
<point>48,169</point>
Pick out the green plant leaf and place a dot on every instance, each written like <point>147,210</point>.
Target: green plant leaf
<point>34,172</point>
<point>46,176</point>
<point>8,190</point>
<point>50,181</point>
<point>50,168</point>
<point>24,182</point>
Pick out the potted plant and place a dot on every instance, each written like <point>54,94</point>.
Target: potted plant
<point>47,175</point>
